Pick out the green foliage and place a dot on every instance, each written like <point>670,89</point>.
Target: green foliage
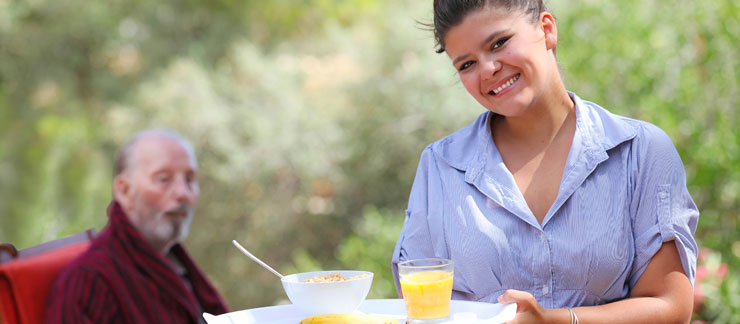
<point>309,118</point>
<point>367,248</point>
<point>717,290</point>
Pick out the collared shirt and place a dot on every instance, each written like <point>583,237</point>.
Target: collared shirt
<point>622,195</point>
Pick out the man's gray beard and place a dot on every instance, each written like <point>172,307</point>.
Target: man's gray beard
<point>180,230</point>
<point>170,233</point>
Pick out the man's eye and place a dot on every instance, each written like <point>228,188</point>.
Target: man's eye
<point>465,65</point>
<point>499,43</point>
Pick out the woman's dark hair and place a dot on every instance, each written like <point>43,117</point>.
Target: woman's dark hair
<point>450,13</point>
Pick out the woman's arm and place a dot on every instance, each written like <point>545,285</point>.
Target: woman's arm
<point>663,294</point>
<point>415,240</point>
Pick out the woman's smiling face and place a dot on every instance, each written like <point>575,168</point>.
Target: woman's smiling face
<point>504,59</point>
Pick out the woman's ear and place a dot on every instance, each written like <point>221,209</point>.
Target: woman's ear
<point>550,29</point>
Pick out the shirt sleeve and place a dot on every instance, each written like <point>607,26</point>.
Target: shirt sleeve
<point>81,297</point>
<point>425,202</point>
<point>662,208</point>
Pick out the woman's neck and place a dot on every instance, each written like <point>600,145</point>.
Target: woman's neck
<point>550,116</point>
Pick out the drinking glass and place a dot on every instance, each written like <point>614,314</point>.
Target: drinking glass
<point>426,285</point>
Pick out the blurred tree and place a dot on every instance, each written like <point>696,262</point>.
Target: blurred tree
<point>64,64</point>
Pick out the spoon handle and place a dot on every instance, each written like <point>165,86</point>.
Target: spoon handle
<point>240,247</point>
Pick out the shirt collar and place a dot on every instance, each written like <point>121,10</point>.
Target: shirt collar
<point>598,130</point>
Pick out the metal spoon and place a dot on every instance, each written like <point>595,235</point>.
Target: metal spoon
<point>240,247</point>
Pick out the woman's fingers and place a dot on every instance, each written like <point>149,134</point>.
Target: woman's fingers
<point>523,299</point>
<point>527,308</point>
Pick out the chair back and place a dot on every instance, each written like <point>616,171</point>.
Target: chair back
<point>26,276</point>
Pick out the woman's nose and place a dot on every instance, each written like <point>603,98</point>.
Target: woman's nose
<point>490,68</point>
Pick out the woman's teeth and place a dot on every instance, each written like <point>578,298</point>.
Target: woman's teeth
<point>505,85</point>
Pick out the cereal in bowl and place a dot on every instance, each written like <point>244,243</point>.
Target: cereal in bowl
<point>334,277</point>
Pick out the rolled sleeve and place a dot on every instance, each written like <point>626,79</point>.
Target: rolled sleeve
<point>663,208</point>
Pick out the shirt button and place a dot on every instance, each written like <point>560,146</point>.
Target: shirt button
<point>543,238</point>
<point>545,289</point>
<point>662,195</point>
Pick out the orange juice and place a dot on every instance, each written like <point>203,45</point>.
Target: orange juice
<point>427,294</point>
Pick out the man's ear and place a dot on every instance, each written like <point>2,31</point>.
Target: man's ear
<point>547,23</point>
<point>122,190</point>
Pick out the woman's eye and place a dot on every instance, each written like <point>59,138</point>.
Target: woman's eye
<point>499,43</point>
<point>465,65</point>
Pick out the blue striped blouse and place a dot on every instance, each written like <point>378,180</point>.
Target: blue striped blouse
<point>623,193</point>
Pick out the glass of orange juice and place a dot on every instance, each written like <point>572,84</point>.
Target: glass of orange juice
<point>426,285</point>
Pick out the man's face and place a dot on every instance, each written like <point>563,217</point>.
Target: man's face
<point>159,190</point>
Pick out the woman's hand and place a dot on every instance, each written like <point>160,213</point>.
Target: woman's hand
<point>528,310</point>
<point>663,294</point>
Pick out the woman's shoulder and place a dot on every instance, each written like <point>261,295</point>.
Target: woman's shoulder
<point>616,129</point>
<point>461,147</point>
<point>646,134</point>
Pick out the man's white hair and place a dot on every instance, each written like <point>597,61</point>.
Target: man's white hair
<point>125,154</point>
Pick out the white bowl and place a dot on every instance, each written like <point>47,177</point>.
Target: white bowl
<point>316,298</point>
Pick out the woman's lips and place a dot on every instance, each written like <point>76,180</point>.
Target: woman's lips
<point>505,85</point>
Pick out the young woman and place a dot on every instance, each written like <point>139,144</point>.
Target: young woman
<point>547,200</point>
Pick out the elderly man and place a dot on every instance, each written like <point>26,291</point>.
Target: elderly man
<point>136,270</point>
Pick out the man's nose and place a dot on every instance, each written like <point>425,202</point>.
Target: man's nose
<point>183,190</point>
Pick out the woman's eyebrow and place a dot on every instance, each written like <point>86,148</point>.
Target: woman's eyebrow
<point>482,44</point>
<point>491,37</point>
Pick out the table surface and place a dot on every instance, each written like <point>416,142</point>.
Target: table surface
<point>461,312</point>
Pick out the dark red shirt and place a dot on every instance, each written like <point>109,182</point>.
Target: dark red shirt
<point>121,278</point>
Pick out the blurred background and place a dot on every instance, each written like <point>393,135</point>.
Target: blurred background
<point>309,117</point>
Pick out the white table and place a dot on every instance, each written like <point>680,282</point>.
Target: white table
<point>460,311</point>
